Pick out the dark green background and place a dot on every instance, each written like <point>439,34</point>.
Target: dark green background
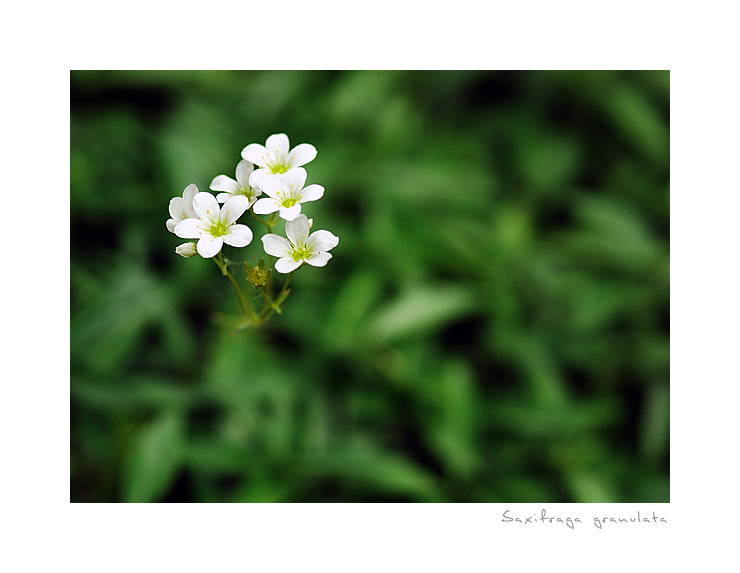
<point>493,327</point>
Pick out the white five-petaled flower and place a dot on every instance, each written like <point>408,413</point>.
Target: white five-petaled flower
<point>239,187</point>
<point>276,157</point>
<point>286,193</point>
<point>181,208</point>
<point>300,247</point>
<point>216,226</point>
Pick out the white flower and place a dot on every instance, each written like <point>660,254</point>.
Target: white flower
<point>276,157</point>
<point>239,187</point>
<point>286,193</point>
<point>215,226</point>
<point>181,208</point>
<point>300,247</point>
<point>186,250</point>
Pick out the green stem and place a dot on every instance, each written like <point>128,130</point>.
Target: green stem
<point>261,220</point>
<point>275,307</point>
<point>271,267</point>
<point>246,309</point>
<point>266,296</point>
<point>272,221</point>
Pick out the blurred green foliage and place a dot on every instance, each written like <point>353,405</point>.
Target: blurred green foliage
<point>493,327</point>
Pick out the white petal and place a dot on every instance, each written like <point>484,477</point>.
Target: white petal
<point>206,207</point>
<point>190,192</point>
<point>256,176</point>
<point>255,153</point>
<point>276,245</point>
<point>224,183</point>
<point>265,206</point>
<point>295,177</point>
<point>238,236</point>
<point>312,193</point>
<point>233,209</point>
<point>290,213</point>
<point>209,246</point>
<point>287,265</point>
<point>319,259</point>
<point>270,184</point>
<point>190,229</point>
<point>243,170</point>
<point>297,230</point>
<point>171,224</point>
<point>278,145</point>
<point>323,241</point>
<point>301,154</point>
<point>178,208</point>
<point>223,197</point>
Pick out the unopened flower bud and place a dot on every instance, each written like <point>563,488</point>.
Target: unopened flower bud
<point>257,275</point>
<point>186,250</point>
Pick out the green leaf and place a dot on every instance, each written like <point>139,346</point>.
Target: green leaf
<point>420,311</point>
<point>376,470</point>
<point>556,422</point>
<point>590,487</point>
<point>654,434</point>
<point>452,430</point>
<point>154,459</point>
<point>640,123</point>
<point>351,305</point>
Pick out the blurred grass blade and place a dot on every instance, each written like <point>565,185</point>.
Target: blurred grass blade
<point>154,459</point>
<point>420,311</point>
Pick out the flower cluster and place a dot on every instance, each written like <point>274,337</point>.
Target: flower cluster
<point>212,220</point>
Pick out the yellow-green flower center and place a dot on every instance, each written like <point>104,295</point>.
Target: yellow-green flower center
<point>279,168</point>
<point>247,191</point>
<point>218,229</point>
<point>301,252</point>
